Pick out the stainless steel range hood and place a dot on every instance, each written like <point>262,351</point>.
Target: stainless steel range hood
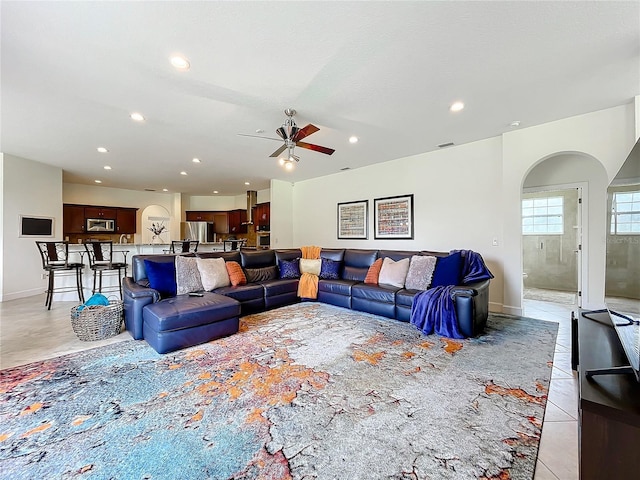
<point>252,199</point>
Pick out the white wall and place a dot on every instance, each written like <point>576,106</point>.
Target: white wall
<point>455,203</point>
<point>1,225</point>
<point>222,202</point>
<point>465,196</point>
<point>282,219</point>
<point>28,188</point>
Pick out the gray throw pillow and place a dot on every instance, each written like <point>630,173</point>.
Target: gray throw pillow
<point>420,272</point>
<point>187,275</point>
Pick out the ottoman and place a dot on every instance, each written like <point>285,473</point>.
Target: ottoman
<point>183,321</point>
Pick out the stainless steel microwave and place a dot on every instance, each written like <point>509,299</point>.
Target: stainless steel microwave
<point>100,225</point>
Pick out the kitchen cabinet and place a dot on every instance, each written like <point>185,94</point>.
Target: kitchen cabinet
<point>199,216</point>
<point>236,220</point>
<point>101,212</point>
<point>262,215</point>
<point>126,220</point>
<point>72,219</point>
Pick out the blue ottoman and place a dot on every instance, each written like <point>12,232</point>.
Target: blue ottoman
<point>184,321</point>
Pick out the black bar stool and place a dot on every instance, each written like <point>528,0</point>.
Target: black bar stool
<point>184,246</point>
<point>55,261</point>
<point>101,262</point>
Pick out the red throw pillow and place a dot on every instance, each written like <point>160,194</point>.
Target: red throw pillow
<point>236,275</point>
<point>374,272</point>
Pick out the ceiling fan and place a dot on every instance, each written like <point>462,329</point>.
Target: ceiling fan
<point>292,136</point>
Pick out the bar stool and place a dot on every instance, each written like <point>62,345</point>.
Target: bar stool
<point>184,246</point>
<point>234,244</point>
<point>101,262</point>
<point>55,261</point>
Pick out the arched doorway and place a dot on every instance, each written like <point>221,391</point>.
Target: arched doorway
<point>156,218</point>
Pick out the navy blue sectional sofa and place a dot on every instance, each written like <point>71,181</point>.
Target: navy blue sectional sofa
<point>182,320</point>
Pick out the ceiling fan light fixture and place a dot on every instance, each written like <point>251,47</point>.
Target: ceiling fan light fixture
<point>288,165</point>
<point>281,161</point>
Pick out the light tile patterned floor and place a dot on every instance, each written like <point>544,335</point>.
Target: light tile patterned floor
<point>28,333</point>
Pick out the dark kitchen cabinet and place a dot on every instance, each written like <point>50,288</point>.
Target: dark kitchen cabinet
<point>101,212</point>
<point>199,216</point>
<point>262,215</point>
<point>126,220</point>
<point>73,219</point>
<point>236,220</point>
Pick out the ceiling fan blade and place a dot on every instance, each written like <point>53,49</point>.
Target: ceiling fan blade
<point>258,136</point>
<point>278,151</point>
<point>304,132</point>
<point>315,148</point>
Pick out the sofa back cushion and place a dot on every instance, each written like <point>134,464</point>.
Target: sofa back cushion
<point>357,263</point>
<point>335,254</point>
<point>257,259</point>
<point>263,274</point>
<point>288,254</point>
<point>162,276</point>
<point>228,256</point>
<point>396,255</point>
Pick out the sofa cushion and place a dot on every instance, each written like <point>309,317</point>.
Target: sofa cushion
<point>236,274</point>
<point>184,311</point>
<point>288,254</point>
<point>374,272</point>
<point>213,273</point>
<point>228,256</point>
<point>330,269</point>
<point>257,259</point>
<point>375,293</point>
<point>162,277</point>
<point>255,275</point>
<point>187,275</point>
<point>393,273</point>
<point>404,297</point>
<point>280,286</point>
<point>420,272</point>
<point>339,287</point>
<point>448,270</point>
<point>309,265</point>
<point>335,254</point>
<point>289,268</point>
<point>242,293</point>
<point>357,263</point>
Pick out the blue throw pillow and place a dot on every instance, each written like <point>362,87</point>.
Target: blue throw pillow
<point>162,277</point>
<point>448,270</point>
<point>330,269</point>
<point>289,268</point>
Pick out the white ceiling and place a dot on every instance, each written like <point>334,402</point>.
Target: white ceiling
<point>72,72</point>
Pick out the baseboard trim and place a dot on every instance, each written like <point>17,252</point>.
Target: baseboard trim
<point>511,310</point>
<point>495,307</point>
<point>24,293</point>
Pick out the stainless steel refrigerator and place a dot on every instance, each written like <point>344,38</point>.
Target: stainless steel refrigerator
<point>204,232</point>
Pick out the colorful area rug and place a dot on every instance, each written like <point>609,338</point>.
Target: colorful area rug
<point>308,391</point>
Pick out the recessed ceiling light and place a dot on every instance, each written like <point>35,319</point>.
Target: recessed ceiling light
<point>98,181</point>
<point>515,123</point>
<point>137,117</point>
<point>196,160</point>
<point>456,106</point>
<point>215,191</point>
<point>102,150</point>
<point>353,139</point>
<point>165,189</point>
<point>247,183</point>
<point>183,173</point>
<point>180,63</point>
<point>107,167</point>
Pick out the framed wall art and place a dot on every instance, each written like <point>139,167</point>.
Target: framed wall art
<point>393,217</point>
<point>352,220</point>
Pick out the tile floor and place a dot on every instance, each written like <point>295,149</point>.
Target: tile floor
<point>49,334</point>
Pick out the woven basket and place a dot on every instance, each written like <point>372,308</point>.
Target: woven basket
<point>96,322</point>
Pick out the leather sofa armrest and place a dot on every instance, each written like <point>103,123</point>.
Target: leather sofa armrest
<point>472,306</point>
<point>470,290</point>
<point>135,297</point>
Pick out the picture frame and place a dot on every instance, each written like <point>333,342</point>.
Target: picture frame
<point>353,220</point>
<point>393,218</point>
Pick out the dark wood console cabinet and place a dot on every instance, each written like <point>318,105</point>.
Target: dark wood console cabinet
<point>609,405</point>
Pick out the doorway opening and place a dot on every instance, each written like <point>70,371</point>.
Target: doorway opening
<point>552,246</point>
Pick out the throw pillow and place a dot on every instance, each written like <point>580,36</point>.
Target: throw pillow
<point>213,273</point>
<point>312,266</point>
<point>162,277</point>
<point>448,270</point>
<point>187,275</point>
<point>393,273</point>
<point>289,268</point>
<point>374,272</point>
<point>263,274</point>
<point>236,274</point>
<point>329,269</point>
<point>420,272</point>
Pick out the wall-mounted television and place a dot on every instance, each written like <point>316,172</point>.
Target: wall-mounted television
<point>34,226</point>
